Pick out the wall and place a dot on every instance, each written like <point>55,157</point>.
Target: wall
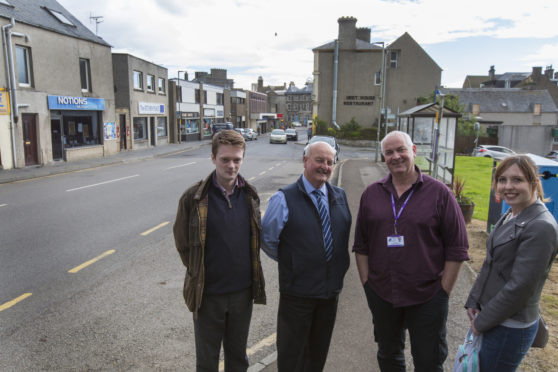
<point>526,138</point>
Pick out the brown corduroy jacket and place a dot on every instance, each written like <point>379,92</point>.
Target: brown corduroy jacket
<point>190,233</point>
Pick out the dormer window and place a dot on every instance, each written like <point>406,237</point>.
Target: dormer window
<point>59,16</point>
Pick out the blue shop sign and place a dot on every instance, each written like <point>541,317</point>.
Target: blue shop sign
<point>75,103</point>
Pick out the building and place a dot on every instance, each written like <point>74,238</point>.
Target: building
<point>141,102</point>
<point>299,103</point>
<point>239,108</point>
<point>522,119</point>
<point>217,76</point>
<point>355,78</point>
<point>260,119</point>
<point>276,100</point>
<point>198,107</point>
<point>58,79</point>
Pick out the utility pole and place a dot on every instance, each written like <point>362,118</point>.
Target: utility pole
<point>380,104</point>
<point>97,20</point>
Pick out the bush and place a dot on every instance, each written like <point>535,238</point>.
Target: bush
<point>331,132</point>
<point>321,126</point>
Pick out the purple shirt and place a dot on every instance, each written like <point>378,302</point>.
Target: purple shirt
<point>434,232</point>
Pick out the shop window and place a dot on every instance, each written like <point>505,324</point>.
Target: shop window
<point>161,85</point>
<point>150,83</point>
<point>138,80</point>
<point>140,128</point>
<point>23,61</point>
<point>84,73</point>
<point>80,131</point>
<point>191,126</point>
<point>161,127</point>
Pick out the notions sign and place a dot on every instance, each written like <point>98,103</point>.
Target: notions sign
<point>151,108</point>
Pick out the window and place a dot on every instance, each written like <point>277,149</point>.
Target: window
<point>84,73</point>
<point>476,109</point>
<point>161,126</point>
<point>23,61</point>
<point>150,82</point>
<point>140,128</point>
<point>377,78</point>
<point>220,99</point>
<point>537,109</point>
<point>197,99</point>
<point>60,17</point>
<point>205,96</point>
<point>138,80</point>
<point>161,85</point>
<point>393,59</point>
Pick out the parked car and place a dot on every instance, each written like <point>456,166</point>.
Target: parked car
<point>296,124</point>
<point>278,136</point>
<point>330,141</point>
<point>291,134</point>
<point>217,127</point>
<point>252,134</point>
<point>552,155</point>
<point>490,151</point>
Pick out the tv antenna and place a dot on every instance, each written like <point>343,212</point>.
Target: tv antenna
<point>97,19</point>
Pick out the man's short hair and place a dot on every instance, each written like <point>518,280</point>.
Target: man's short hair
<point>227,137</point>
<point>406,138</point>
<point>310,145</point>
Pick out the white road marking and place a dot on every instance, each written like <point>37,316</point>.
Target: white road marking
<point>3,205</point>
<point>103,183</point>
<point>181,165</point>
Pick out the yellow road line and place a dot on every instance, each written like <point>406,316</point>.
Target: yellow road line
<point>147,232</point>
<point>262,173</point>
<point>11,303</point>
<point>251,178</point>
<point>85,264</point>
<point>271,168</point>
<point>269,340</point>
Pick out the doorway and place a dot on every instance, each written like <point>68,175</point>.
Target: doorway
<point>153,131</point>
<point>30,139</point>
<point>56,133</point>
<point>122,132</point>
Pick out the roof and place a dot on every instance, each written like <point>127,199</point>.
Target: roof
<point>294,90</point>
<point>498,100</point>
<point>360,45</point>
<point>428,109</point>
<point>35,13</point>
<point>474,81</point>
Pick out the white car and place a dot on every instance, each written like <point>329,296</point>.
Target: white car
<point>492,151</point>
<point>251,134</point>
<point>296,124</point>
<point>278,136</point>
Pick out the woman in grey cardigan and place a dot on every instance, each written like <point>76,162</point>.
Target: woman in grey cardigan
<point>504,302</point>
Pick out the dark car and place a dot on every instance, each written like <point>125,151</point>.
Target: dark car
<point>330,141</point>
<point>291,134</point>
<point>552,155</point>
<point>217,127</point>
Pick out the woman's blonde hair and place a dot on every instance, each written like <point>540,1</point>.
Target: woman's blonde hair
<point>529,170</point>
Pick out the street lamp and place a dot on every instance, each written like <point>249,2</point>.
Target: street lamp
<point>179,99</point>
<point>382,72</point>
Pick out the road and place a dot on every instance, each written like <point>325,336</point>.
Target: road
<point>90,276</point>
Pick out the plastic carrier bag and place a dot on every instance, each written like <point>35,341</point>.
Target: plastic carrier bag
<point>467,357</point>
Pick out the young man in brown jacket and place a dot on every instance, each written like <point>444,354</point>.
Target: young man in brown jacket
<point>217,234</point>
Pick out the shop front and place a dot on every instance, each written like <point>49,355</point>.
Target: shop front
<point>189,124</point>
<point>77,127</point>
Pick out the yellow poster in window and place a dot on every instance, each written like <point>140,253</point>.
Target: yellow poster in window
<point>4,102</point>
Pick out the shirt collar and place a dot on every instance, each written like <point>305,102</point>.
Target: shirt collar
<point>238,183</point>
<point>388,182</point>
<point>309,188</point>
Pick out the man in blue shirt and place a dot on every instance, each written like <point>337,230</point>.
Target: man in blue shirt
<point>306,230</point>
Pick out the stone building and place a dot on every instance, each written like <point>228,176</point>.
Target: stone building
<point>58,78</point>
<point>141,102</point>
<point>299,103</point>
<point>355,78</point>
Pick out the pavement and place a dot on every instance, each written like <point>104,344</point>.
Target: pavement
<point>127,156</point>
<point>352,347</point>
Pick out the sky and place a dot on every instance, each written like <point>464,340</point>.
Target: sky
<point>274,39</point>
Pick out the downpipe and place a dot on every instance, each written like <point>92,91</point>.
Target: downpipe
<point>335,69</point>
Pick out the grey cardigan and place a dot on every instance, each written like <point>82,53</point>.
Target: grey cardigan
<point>518,258</point>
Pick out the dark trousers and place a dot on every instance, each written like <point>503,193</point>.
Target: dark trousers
<point>223,318</point>
<point>304,329</point>
<point>426,323</point>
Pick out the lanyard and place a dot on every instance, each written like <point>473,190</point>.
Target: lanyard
<point>397,215</point>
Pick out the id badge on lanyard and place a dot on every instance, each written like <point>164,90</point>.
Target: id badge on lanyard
<point>397,240</point>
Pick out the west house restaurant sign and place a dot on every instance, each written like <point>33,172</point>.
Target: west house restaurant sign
<point>146,108</point>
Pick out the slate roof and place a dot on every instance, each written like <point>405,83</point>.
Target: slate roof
<point>474,81</point>
<point>428,109</point>
<point>499,100</point>
<point>360,45</point>
<point>34,13</point>
<point>294,90</point>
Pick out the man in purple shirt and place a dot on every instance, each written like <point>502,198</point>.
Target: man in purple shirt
<point>410,241</point>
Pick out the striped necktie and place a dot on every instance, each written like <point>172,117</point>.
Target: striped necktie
<point>326,225</point>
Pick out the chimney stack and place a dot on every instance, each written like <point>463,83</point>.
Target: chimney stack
<point>363,33</point>
<point>492,73</point>
<point>347,32</point>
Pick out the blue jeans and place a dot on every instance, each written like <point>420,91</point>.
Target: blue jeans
<point>504,348</point>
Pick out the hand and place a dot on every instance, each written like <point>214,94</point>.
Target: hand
<point>472,313</point>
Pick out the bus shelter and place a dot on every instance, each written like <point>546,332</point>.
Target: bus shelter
<point>433,131</point>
